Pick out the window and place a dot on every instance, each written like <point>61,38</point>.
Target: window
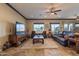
<point>55,28</point>
<point>76,29</point>
<point>71,27</point>
<point>68,27</point>
<point>38,27</point>
<point>76,25</point>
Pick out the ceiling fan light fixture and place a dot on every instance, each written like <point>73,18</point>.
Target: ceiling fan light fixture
<point>52,13</point>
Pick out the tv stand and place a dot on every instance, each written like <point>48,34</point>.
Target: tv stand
<point>16,40</point>
<point>21,38</point>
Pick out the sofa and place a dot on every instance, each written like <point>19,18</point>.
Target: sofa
<point>62,37</point>
<point>60,40</point>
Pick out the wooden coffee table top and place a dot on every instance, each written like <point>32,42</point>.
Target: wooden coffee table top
<point>38,37</point>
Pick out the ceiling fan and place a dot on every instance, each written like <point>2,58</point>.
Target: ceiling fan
<point>53,11</point>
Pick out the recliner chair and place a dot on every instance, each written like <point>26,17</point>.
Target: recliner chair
<point>33,34</point>
<point>44,34</point>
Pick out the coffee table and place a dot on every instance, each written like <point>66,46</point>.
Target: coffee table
<point>38,38</point>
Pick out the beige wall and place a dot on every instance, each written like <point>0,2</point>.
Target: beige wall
<point>8,18</point>
<point>47,23</point>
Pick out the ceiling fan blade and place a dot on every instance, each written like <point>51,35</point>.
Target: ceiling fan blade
<point>48,12</point>
<point>52,12</point>
<point>57,10</point>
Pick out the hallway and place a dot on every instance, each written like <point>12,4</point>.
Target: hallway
<point>49,48</point>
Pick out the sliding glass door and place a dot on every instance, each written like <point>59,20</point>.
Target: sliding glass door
<point>55,28</point>
<point>68,27</point>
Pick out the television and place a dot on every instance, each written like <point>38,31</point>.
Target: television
<point>20,28</point>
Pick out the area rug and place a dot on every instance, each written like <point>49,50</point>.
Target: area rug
<point>48,43</point>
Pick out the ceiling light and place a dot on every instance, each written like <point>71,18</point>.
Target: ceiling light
<point>52,13</point>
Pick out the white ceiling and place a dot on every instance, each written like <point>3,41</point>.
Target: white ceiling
<point>37,10</point>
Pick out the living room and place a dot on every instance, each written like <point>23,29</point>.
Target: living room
<point>27,25</point>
